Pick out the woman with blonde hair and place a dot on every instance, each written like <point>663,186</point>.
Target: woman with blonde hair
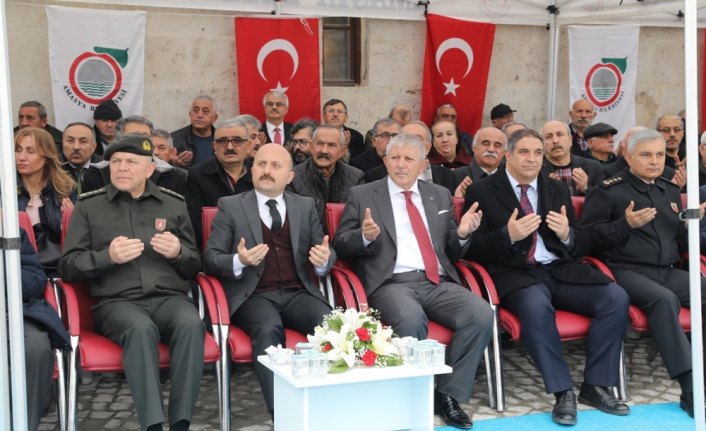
<point>44,191</point>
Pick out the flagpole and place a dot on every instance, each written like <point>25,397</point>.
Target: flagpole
<point>553,55</point>
<point>692,187</point>
<point>11,245</point>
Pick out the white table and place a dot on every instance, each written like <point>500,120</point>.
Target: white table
<point>362,398</point>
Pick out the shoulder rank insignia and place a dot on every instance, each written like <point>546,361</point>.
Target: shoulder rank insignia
<point>172,193</point>
<point>96,192</point>
<point>612,181</point>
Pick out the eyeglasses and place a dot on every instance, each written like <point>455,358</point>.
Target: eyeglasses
<point>385,135</point>
<point>335,111</point>
<point>671,129</point>
<point>237,141</point>
<point>302,142</point>
<point>277,104</point>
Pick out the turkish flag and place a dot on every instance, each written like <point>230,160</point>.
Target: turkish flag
<point>279,54</point>
<point>456,64</point>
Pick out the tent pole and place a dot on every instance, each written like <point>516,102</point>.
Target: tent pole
<point>11,245</point>
<point>553,58</point>
<point>692,157</point>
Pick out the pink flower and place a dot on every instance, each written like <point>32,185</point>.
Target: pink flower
<point>362,334</point>
<point>369,357</point>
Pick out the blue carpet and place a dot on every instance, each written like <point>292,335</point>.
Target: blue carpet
<point>648,417</point>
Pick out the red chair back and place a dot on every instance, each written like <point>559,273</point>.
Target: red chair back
<point>334,212</point>
<point>65,219</point>
<point>26,224</point>
<point>577,202</point>
<point>207,216</point>
<point>683,200</point>
<point>457,204</point>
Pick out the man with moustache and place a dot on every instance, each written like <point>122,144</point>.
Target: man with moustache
<point>276,105</point>
<point>531,243</point>
<point>582,113</point>
<point>78,151</point>
<point>224,175</point>
<point>324,177</point>
<point>488,152</point>
<point>600,138</point>
<point>433,173</point>
<point>194,142</point>
<point>578,173</point>
<point>672,129</point>
<point>262,246</point>
<point>635,221</point>
<point>302,135</point>
<point>382,131</point>
<point>335,113</point>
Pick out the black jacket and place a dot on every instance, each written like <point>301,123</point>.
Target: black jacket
<point>439,175</point>
<point>367,160</point>
<point>286,135</point>
<point>182,140</point>
<point>593,169</point>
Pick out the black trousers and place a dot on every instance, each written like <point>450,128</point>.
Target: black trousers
<point>39,367</point>
<point>264,316</point>
<point>409,301</point>
<point>536,306</point>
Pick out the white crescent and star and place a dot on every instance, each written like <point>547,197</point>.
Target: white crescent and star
<point>278,45</point>
<point>465,48</point>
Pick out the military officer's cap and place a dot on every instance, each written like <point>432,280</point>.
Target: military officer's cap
<point>130,143</point>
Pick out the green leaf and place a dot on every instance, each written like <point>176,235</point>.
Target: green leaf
<point>335,325</point>
<point>338,367</point>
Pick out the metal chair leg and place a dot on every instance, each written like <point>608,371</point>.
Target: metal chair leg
<point>492,399</point>
<point>497,351</point>
<point>72,391</point>
<point>61,389</point>
<point>224,364</point>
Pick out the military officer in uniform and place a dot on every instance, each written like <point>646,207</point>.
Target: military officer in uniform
<point>134,242</point>
<point>634,220</point>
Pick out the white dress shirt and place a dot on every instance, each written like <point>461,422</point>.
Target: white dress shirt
<point>271,131</point>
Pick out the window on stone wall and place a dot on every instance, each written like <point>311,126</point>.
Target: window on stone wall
<point>341,53</point>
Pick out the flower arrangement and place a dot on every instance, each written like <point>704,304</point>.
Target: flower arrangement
<point>350,337</point>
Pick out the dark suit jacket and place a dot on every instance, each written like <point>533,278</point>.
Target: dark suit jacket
<point>620,165</point>
<point>238,217</point>
<point>367,160</point>
<point>286,135</point>
<point>357,142</point>
<point>207,183</point>
<point>593,169</point>
<point>439,175</point>
<point>507,263</point>
<point>374,264</point>
<point>473,170</point>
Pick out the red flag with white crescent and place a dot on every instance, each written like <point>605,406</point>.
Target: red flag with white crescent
<point>279,54</point>
<point>456,64</point>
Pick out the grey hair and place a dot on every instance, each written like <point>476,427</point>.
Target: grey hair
<point>120,126</point>
<point>475,137</point>
<point>249,119</point>
<point>665,116</point>
<point>387,121</point>
<point>513,123</point>
<point>278,94</point>
<point>423,125</point>
<point>405,112</point>
<point>541,131</point>
<point>330,127</point>
<point>303,124</point>
<point>641,136</point>
<point>520,134</point>
<point>41,109</point>
<point>206,97</point>
<point>161,133</point>
<point>232,122</point>
<point>407,140</point>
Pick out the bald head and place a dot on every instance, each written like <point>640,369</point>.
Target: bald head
<point>272,170</point>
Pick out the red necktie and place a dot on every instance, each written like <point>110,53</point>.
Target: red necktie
<point>278,136</point>
<point>431,265</point>
<point>527,208</point>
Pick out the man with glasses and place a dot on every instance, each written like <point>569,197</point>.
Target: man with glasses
<point>276,105</point>
<point>672,129</point>
<point>336,113</point>
<point>226,174</point>
<point>302,140</point>
<point>383,130</point>
<point>324,176</point>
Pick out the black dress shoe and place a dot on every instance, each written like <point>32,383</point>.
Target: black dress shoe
<point>447,407</point>
<point>686,402</point>
<point>564,411</point>
<point>603,399</point>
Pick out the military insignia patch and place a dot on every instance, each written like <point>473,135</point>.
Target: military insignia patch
<point>160,224</point>
<point>146,145</point>
<point>675,208</point>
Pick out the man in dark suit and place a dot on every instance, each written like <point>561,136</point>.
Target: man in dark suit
<point>382,131</point>
<point>404,239</point>
<point>224,175</point>
<point>634,220</point>
<point>260,246</point>
<point>488,152</point>
<point>578,173</point>
<point>276,105</point>
<point>433,173</point>
<point>531,242</point>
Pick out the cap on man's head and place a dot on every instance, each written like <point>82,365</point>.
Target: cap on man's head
<point>130,143</point>
<point>107,110</point>
<point>599,129</point>
<point>500,111</point>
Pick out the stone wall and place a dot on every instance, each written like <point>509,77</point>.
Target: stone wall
<point>189,51</point>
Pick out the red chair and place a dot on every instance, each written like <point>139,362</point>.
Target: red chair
<point>97,353</point>
<point>50,295</point>
<point>348,281</point>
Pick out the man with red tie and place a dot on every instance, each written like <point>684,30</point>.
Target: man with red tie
<point>404,239</point>
<point>276,105</point>
<point>531,243</point>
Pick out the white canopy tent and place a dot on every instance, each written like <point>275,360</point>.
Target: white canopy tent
<point>553,14</point>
